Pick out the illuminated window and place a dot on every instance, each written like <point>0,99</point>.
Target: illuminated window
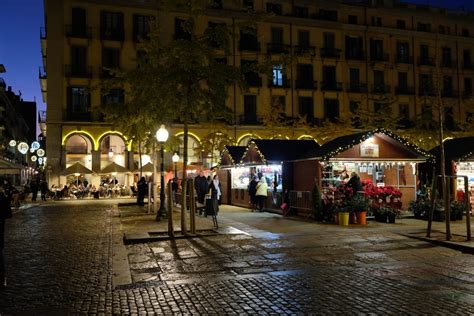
<point>278,75</point>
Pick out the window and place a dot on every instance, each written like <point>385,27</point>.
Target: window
<point>376,50</point>
<point>354,46</point>
<point>181,30</point>
<point>446,56</point>
<point>327,15</point>
<point>301,12</point>
<point>141,27</point>
<point>354,75</point>
<point>424,27</point>
<point>248,4</point>
<point>277,35</point>
<point>305,108</point>
<point>466,54</point>
<point>78,19</point>
<point>78,100</point>
<point>274,8</point>
<point>278,80</point>
<point>465,32</point>
<point>379,78</point>
<point>447,84</point>
<point>114,96</point>
<point>329,40</point>
<point>376,21</point>
<point>303,39</point>
<point>403,81</point>
<point>354,106</point>
<point>329,74</point>
<point>250,108</point>
<point>331,109</point>
<point>280,102</point>
<point>212,29</point>
<point>78,59</point>
<point>401,24</point>
<point>426,84</point>
<point>111,25</point>
<point>378,106</point>
<point>305,76</point>
<point>248,40</point>
<point>249,67</point>
<point>352,19</point>
<point>216,4</point>
<point>424,52</point>
<point>403,52</point>
<point>404,112</point>
<point>110,59</point>
<point>467,86</point>
<point>441,29</point>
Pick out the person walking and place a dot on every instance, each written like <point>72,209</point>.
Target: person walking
<point>141,188</point>
<point>174,190</point>
<point>34,189</point>
<point>261,194</point>
<point>252,189</point>
<point>201,186</point>
<point>5,213</point>
<point>44,189</point>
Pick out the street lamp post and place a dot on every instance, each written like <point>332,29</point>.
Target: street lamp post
<point>175,159</point>
<point>162,136</point>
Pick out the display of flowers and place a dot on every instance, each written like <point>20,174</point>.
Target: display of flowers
<point>386,196</point>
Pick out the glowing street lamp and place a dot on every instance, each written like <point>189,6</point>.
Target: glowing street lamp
<point>175,159</point>
<point>162,136</point>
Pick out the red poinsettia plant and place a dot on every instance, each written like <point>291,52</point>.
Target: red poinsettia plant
<point>382,196</point>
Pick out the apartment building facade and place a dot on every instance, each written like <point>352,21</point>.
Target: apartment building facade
<point>344,56</point>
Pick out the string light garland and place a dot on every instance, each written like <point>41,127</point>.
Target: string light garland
<point>367,135</point>
<point>252,142</point>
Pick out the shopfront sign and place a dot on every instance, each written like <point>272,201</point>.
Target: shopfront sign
<point>369,150</point>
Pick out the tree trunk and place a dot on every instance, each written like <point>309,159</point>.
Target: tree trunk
<point>185,147</point>
<point>140,157</point>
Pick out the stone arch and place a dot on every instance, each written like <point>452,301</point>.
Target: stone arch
<point>193,143</point>
<point>85,135</point>
<point>118,134</point>
<point>112,148</point>
<point>78,147</point>
<point>245,139</point>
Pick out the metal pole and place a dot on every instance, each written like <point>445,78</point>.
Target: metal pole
<point>176,170</point>
<point>162,210</point>
<point>183,206</point>
<point>170,211</point>
<point>447,209</point>
<point>149,196</point>
<point>192,208</point>
<point>468,208</point>
<point>155,176</point>
<point>433,198</point>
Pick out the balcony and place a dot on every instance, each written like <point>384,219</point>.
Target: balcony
<point>426,91</point>
<point>78,71</point>
<point>112,34</point>
<point>304,84</point>
<point>448,63</point>
<point>404,59</point>
<point>379,57</point>
<point>253,80</point>
<point>107,72</point>
<point>467,65</point>
<point>43,82</point>
<point>78,31</point>
<point>356,87</point>
<point>326,52</point>
<point>249,46</point>
<point>246,119</point>
<point>43,44</point>
<point>277,48</point>
<point>449,93</point>
<point>331,86</point>
<point>426,61</point>
<point>355,56</point>
<point>404,90</point>
<point>304,50</point>
<point>282,84</point>
<point>380,89</point>
<point>77,116</point>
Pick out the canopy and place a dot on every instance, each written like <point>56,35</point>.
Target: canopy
<point>146,168</point>
<point>77,167</point>
<point>113,167</point>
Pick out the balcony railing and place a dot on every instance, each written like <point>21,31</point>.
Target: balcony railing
<point>426,61</point>
<point>379,57</point>
<point>246,119</point>
<point>285,83</point>
<point>305,50</point>
<point>78,71</point>
<point>306,84</point>
<point>43,33</point>
<point>404,90</point>
<point>277,48</point>
<point>78,116</point>
<point>356,87</point>
<point>426,91</point>
<point>248,46</point>
<point>355,56</point>
<point>107,72</point>
<point>326,52</point>
<point>404,59</point>
<point>78,31</point>
<point>448,63</point>
<point>331,86</point>
<point>380,88</point>
<point>253,80</point>
<point>42,73</point>
<point>467,65</point>
<point>112,34</point>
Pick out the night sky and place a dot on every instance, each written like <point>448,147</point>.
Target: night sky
<point>20,51</point>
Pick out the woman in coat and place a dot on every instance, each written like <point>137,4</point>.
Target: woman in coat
<point>215,188</point>
<point>253,192</point>
<point>261,194</point>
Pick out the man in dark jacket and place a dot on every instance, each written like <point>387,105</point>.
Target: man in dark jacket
<point>34,189</point>
<point>142,187</point>
<point>44,189</point>
<point>354,183</point>
<point>201,186</point>
<point>5,213</point>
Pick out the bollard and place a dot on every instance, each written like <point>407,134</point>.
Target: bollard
<point>468,208</point>
<point>192,208</point>
<point>149,197</point>
<point>170,210</point>
<point>183,206</point>
<point>447,208</point>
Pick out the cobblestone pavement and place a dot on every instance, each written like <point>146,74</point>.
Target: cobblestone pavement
<point>61,261</point>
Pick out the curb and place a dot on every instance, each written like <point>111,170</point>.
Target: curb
<point>444,243</point>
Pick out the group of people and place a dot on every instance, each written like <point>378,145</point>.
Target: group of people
<point>258,189</point>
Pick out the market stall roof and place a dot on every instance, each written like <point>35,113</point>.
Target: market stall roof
<point>113,167</point>
<point>231,155</point>
<point>457,149</point>
<point>77,167</point>
<point>7,167</point>
<point>146,168</point>
<point>339,145</point>
<point>264,151</point>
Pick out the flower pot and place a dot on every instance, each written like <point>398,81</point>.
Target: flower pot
<point>391,218</point>
<point>382,218</point>
<point>352,218</point>
<point>344,218</point>
<point>361,218</point>
<point>459,216</point>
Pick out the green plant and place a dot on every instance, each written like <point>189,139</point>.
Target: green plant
<point>420,208</point>
<point>317,203</point>
<point>457,208</point>
<point>360,203</point>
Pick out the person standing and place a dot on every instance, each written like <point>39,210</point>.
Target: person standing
<point>354,183</point>
<point>5,213</point>
<point>252,189</point>
<point>174,189</point>
<point>262,190</point>
<point>141,188</point>
<point>44,189</point>
<point>34,189</point>
<point>216,193</point>
<point>201,186</point>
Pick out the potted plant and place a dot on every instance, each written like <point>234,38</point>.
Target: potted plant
<point>381,214</point>
<point>392,214</point>
<point>457,210</point>
<point>360,204</point>
<point>343,196</point>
